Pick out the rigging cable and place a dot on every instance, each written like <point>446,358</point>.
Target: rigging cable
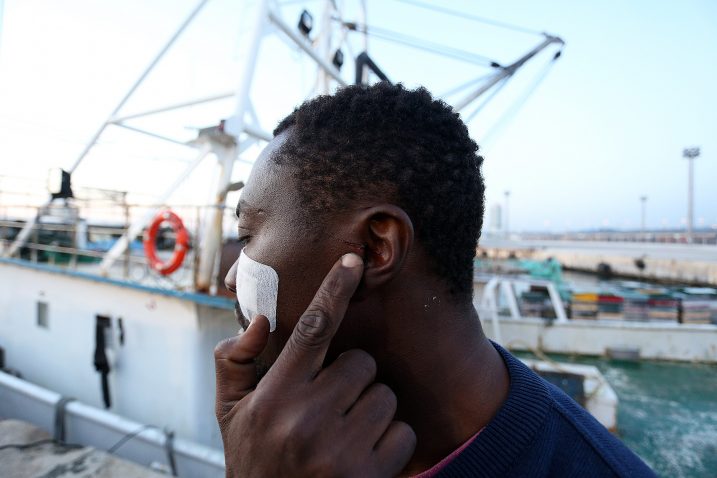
<point>520,102</point>
<point>459,88</point>
<point>419,44</point>
<point>487,99</point>
<point>467,16</point>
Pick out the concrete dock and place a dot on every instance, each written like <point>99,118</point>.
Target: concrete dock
<point>688,263</point>
<point>27,452</point>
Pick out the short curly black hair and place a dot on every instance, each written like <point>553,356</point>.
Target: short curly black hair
<point>386,141</point>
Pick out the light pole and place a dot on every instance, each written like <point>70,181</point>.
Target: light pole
<point>643,201</point>
<point>690,154</point>
<point>507,228</point>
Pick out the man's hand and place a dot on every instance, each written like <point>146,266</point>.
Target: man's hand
<point>302,420</point>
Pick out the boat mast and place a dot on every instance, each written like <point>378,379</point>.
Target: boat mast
<point>226,154</point>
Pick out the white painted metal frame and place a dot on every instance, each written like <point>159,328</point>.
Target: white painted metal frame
<point>506,286</point>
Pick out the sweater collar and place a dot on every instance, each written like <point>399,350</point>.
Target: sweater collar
<point>513,428</point>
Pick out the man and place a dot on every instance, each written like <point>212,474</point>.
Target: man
<point>366,209</point>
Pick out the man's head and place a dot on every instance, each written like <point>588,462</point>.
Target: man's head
<point>383,171</point>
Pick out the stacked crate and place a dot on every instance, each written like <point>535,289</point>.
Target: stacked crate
<point>699,305</point>
<point>584,305</point>
<point>610,306</point>
<point>635,305</point>
<point>695,311</point>
<point>663,307</point>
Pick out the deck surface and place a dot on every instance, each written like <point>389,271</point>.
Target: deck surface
<point>44,460</point>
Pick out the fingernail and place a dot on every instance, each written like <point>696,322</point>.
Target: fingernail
<point>351,260</point>
<point>256,319</point>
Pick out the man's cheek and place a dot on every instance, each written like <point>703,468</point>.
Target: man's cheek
<point>293,299</point>
<point>277,342</point>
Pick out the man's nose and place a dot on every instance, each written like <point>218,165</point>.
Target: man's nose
<point>230,281</point>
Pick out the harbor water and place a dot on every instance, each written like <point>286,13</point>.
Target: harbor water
<point>667,412</point>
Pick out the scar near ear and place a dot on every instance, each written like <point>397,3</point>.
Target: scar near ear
<point>360,249</point>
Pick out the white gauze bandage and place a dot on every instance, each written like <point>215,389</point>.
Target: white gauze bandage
<point>257,289</point>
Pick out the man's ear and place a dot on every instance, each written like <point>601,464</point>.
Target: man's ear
<point>386,232</point>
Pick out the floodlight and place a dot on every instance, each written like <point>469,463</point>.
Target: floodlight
<point>306,22</point>
<point>338,60</point>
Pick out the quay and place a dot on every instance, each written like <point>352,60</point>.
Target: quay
<point>687,263</point>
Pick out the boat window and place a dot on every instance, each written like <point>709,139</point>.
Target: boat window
<point>42,315</point>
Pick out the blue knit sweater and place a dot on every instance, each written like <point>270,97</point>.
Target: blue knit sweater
<point>541,432</point>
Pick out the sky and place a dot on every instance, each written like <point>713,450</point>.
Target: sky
<point>634,86</point>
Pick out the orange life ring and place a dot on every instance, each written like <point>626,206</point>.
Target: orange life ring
<point>181,243</point>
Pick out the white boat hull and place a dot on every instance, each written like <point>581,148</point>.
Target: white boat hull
<point>162,373</point>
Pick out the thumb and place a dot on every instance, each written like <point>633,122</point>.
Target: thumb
<point>234,364</point>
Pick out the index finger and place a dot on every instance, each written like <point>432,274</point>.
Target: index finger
<point>306,348</point>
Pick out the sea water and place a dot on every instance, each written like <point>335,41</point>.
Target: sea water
<point>667,412</point>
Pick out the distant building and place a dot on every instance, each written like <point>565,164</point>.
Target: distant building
<point>495,219</point>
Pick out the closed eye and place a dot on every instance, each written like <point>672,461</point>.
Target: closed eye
<point>244,240</point>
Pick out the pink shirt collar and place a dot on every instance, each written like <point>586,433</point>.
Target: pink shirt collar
<point>435,469</point>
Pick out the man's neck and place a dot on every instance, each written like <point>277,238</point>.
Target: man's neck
<point>449,379</point>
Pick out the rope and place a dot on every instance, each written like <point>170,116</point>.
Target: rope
<point>127,438</point>
<point>467,16</point>
<point>168,444</point>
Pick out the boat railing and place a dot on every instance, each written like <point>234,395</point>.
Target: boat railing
<point>500,298</point>
<point>62,237</point>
